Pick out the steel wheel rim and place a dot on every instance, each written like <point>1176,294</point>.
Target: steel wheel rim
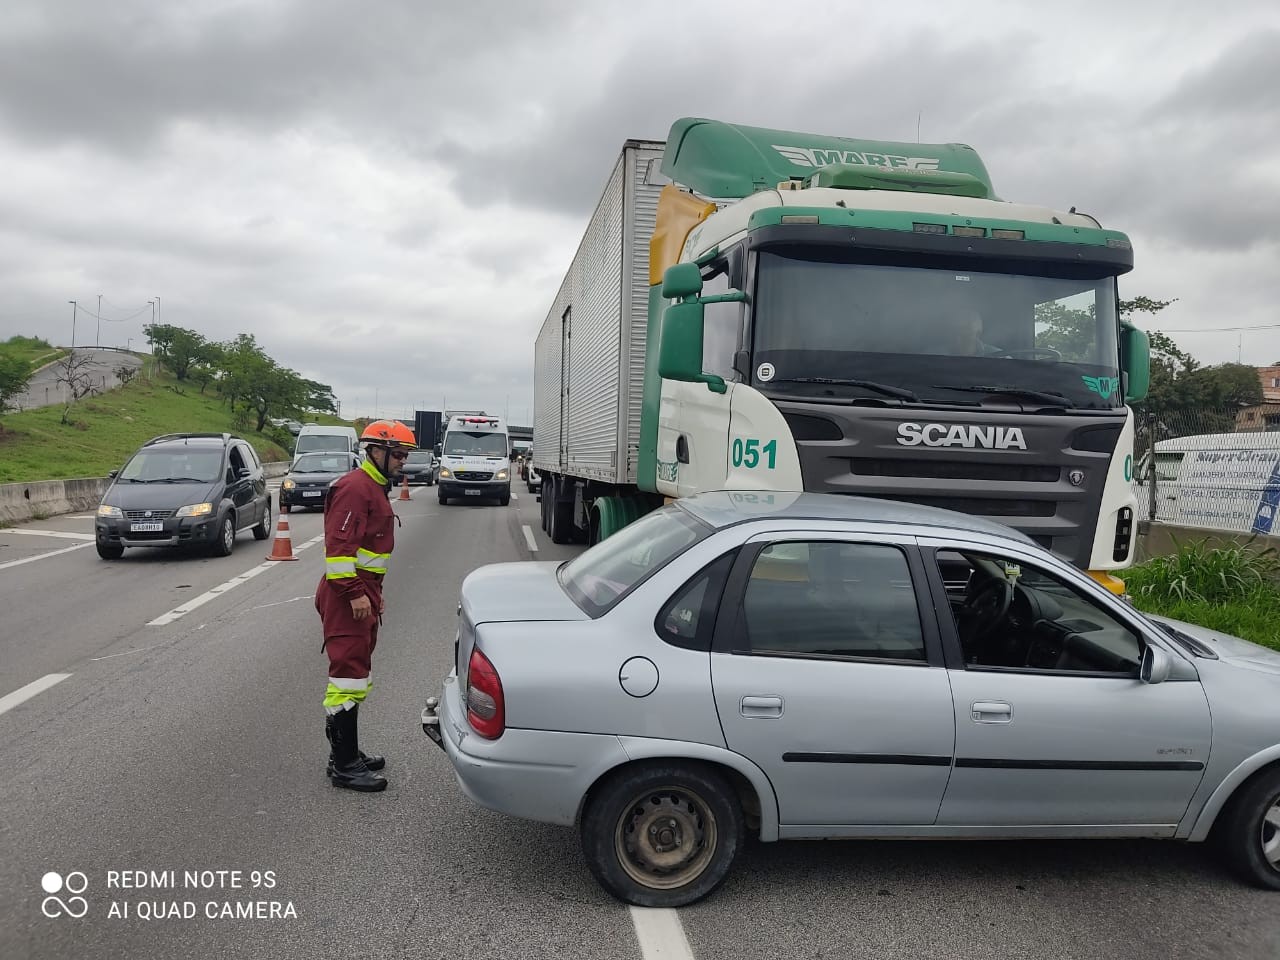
<point>1270,835</point>
<point>665,838</point>
<point>228,533</point>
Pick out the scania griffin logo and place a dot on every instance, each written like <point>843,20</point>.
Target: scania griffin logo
<point>960,435</point>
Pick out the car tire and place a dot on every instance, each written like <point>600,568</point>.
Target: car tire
<point>1249,831</point>
<point>225,542</point>
<point>504,500</point>
<point>110,551</point>
<point>442,498</point>
<point>644,813</point>
<point>262,529</point>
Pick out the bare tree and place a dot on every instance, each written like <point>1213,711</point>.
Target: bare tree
<point>74,374</point>
<point>124,373</point>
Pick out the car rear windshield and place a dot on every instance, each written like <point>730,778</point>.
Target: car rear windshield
<point>602,576</point>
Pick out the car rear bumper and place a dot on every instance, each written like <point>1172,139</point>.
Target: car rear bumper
<point>533,774</point>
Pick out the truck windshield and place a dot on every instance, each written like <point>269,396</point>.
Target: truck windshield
<point>942,334</point>
<point>468,443</point>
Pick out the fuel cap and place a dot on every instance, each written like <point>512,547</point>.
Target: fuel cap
<point>639,676</point>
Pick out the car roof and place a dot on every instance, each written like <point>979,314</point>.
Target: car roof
<point>724,508</point>
<point>190,440</point>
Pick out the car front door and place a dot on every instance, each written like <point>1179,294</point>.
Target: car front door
<point>1054,727</point>
<point>240,487</point>
<point>830,678</point>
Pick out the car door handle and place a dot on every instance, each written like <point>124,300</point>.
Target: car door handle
<point>760,707</point>
<point>991,711</point>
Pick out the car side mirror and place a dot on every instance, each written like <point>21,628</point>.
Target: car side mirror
<point>113,474</point>
<point>1156,665</point>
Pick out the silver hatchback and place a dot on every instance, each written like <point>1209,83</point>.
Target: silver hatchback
<point>814,666</point>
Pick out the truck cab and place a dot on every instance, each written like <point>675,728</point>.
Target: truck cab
<point>475,460</point>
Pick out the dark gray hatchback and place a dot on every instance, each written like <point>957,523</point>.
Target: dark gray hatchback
<point>185,489</point>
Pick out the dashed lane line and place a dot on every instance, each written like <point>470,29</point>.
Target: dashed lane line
<point>22,694</point>
<point>528,538</point>
<point>661,934</point>
<point>43,556</point>
<point>27,532</point>
<point>177,613</point>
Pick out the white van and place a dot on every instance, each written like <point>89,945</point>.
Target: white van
<point>314,438</point>
<point>1220,481</point>
<point>475,460</point>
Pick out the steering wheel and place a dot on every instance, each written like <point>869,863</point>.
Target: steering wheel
<point>989,605</point>
<point>1033,353</point>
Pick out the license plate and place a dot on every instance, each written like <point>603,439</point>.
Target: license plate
<point>472,493</point>
<point>146,527</point>
<point>313,493</point>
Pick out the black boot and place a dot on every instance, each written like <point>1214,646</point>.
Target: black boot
<point>374,762</point>
<point>347,769</point>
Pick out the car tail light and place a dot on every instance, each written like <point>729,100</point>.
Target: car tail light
<point>486,710</point>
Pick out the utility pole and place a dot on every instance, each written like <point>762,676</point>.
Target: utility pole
<point>158,310</point>
<point>97,340</point>
<point>73,325</point>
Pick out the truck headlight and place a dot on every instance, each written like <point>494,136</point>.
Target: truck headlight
<point>444,472</point>
<point>195,510</point>
<point>502,474</point>
<point>106,510</point>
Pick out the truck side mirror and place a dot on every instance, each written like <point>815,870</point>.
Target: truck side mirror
<point>682,280</point>
<point>680,349</point>
<point>1135,361</point>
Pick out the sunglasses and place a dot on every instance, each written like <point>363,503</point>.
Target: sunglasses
<point>399,454</point>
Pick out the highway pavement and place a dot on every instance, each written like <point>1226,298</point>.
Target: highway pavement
<point>160,716</point>
<point>45,390</point>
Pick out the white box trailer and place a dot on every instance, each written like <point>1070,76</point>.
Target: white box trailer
<point>589,355</point>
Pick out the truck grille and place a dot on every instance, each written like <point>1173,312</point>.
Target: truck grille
<point>955,470</point>
<point>473,475</point>
<point>148,514</point>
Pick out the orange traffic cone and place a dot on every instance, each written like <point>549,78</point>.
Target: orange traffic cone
<point>404,487</point>
<point>282,548</point>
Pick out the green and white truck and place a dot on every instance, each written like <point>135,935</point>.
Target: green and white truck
<point>758,309</point>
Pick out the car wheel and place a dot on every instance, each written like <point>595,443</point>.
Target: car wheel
<point>1250,831</point>
<point>110,551</point>
<point>262,530</point>
<point>442,498</point>
<point>662,835</point>
<point>504,500</point>
<point>226,539</point>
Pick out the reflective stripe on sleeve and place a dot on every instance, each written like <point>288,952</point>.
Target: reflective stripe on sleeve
<point>336,568</point>
<point>373,562</point>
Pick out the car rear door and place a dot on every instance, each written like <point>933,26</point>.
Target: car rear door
<point>830,677</point>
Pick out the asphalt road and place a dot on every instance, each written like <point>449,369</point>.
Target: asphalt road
<point>198,745</point>
<point>44,389</point>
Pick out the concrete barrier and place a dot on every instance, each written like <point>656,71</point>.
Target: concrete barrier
<point>48,498</point>
<point>1162,540</point>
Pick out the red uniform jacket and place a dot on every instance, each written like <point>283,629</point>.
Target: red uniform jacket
<point>359,534</point>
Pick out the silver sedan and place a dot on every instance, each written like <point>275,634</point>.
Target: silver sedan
<point>805,666</point>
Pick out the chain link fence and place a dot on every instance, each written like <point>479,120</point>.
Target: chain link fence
<point>1212,467</point>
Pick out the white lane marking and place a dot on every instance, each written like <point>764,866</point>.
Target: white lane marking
<point>528,538</point>
<point>514,495</point>
<point>279,603</point>
<point>11,700</point>
<point>178,613</point>
<point>54,533</point>
<point>42,556</point>
<point>126,653</point>
<point>661,934</point>
<point>81,516</point>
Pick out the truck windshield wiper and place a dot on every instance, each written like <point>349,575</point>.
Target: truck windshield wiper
<point>883,388</point>
<point>1055,399</point>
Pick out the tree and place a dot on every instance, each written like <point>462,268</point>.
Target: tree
<point>74,373</point>
<point>320,397</point>
<point>15,374</point>
<point>178,348</point>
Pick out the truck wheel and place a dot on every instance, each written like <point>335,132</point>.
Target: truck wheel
<point>1249,832</point>
<point>560,518</point>
<point>662,835</point>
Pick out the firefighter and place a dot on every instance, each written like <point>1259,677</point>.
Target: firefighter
<point>358,541</point>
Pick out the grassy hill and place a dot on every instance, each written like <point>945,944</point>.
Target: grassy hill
<point>105,430</point>
<point>34,350</point>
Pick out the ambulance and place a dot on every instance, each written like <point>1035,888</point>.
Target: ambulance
<point>475,460</point>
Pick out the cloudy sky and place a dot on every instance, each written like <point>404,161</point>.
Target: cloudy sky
<point>388,193</point>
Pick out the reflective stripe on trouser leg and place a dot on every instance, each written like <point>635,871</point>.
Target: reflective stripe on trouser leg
<point>343,693</point>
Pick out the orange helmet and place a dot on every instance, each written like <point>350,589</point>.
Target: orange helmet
<point>388,433</point>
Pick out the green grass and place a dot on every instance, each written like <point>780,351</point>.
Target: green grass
<point>35,350</point>
<point>105,430</point>
<point>1232,589</point>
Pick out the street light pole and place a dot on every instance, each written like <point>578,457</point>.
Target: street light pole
<point>73,325</point>
<point>97,340</point>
